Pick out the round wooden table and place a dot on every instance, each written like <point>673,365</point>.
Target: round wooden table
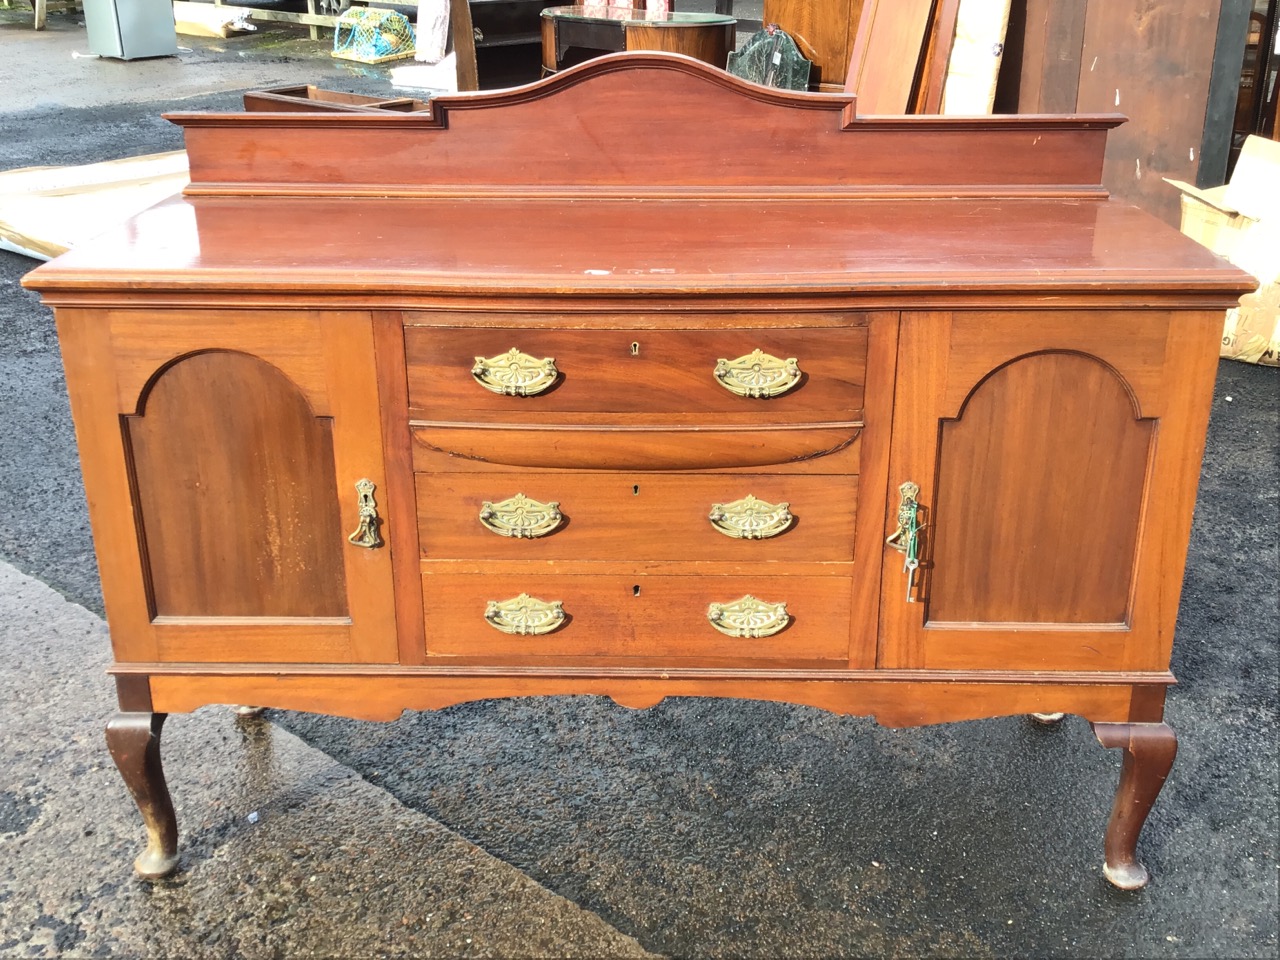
<point>597,28</point>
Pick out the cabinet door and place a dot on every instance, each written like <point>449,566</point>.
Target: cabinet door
<point>1056,456</point>
<point>222,451</point>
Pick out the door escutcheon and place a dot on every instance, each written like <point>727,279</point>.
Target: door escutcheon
<point>366,534</point>
<point>906,537</point>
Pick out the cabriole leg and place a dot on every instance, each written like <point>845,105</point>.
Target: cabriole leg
<point>1149,749</point>
<point>134,742</point>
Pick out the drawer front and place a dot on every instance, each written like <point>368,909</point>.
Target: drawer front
<point>776,449</point>
<point>636,517</point>
<point>638,372</point>
<point>651,617</point>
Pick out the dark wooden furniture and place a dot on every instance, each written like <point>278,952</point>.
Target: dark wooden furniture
<point>1258,100</point>
<point>731,393</point>
<point>598,28</point>
<point>824,29</point>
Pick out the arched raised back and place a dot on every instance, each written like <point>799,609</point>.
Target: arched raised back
<point>1054,428</point>
<point>235,488</point>
<point>647,123</point>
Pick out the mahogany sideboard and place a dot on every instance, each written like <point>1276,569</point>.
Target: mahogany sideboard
<point>643,381</point>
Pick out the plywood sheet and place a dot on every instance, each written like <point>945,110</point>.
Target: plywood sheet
<point>976,54</point>
<point>1150,60</point>
<point>44,211</point>
<point>887,54</point>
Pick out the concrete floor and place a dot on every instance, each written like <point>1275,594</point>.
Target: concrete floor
<point>573,826</point>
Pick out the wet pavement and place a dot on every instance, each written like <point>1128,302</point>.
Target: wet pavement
<point>285,851</point>
<point>573,826</point>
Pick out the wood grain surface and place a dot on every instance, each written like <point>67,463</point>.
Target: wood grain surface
<point>636,372</point>
<point>637,517</point>
<point>692,258</point>
<point>888,50</point>
<point>530,447</point>
<point>661,618</point>
<point>1040,491</point>
<point>824,31</point>
<point>235,479</point>
<point>708,42</point>
<point>895,703</point>
<point>519,139</point>
<point>946,360</point>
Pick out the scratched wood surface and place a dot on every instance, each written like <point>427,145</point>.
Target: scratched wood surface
<point>1151,60</point>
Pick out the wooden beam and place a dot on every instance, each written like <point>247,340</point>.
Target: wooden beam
<point>1224,88</point>
<point>464,44</point>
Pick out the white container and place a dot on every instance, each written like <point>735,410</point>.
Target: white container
<point>130,29</point>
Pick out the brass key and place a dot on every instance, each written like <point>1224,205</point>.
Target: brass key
<point>906,537</point>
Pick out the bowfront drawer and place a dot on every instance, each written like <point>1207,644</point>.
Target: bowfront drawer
<point>542,615</point>
<point>535,447</point>
<point>739,375</point>
<point>613,516</point>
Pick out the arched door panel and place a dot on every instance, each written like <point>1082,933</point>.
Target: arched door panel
<point>1056,456</point>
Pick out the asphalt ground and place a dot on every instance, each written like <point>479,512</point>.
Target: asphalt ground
<point>695,828</point>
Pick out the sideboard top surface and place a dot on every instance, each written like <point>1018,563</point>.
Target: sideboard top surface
<point>616,247</point>
<point>648,174</point>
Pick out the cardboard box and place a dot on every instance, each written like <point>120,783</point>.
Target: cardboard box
<point>1240,220</point>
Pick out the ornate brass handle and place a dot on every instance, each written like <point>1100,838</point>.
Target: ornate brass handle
<point>906,537</point>
<point>751,519</point>
<point>757,375</point>
<point>366,534</point>
<point>515,374</point>
<point>521,517</point>
<point>748,617</point>
<point>524,615</point>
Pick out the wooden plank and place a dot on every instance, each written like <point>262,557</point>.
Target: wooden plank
<point>933,74</point>
<point>824,30</point>
<point>1224,88</point>
<point>618,516</point>
<point>464,44</point>
<point>637,615</point>
<point>401,534</point>
<point>1152,60</point>
<point>893,703</point>
<point>887,54</point>
<point>977,51</point>
<point>1064,37</point>
<point>466,143</point>
<point>1041,71</point>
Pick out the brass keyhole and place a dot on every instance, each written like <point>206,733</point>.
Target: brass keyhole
<point>635,348</point>
<point>635,489</point>
<point>635,591</point>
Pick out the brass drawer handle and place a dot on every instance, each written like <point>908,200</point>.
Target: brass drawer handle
<point>757,375</point>
<point>521,517</point>
<point>751,519</point>
<point>515,374</point>
<point>366,534</point>
<point>748,617</point>
<point>906,536</point>
<point>524,615</point>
